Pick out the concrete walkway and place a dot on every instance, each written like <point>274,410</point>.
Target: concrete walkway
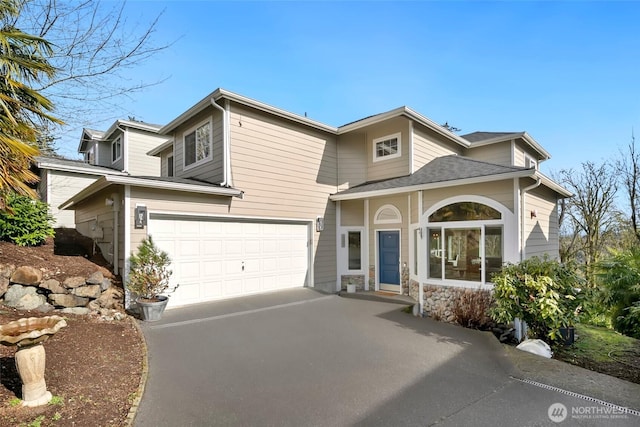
<point>303,358</point>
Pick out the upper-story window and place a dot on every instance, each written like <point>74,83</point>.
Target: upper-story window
<point>170,165</point>
<point>387,147</point>
<point>198,145</point>
<point>116,149</point>
<point>89,156</point>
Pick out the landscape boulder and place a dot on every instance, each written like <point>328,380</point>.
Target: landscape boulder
<point>89,291</point>
<point>67,300</point>
<point>74,282</point>
<point>23,297</point>
<point>26,275</point>
<point>54,286</point>
<point>95,279</point>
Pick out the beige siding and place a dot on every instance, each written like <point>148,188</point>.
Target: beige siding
<point>391,168</point>
<point>212,170</point>
<point>96,220</point>
<point>541,231</point>
<point>352,160</point>
<point>499,153</point>
<point>427,145</point>
<point>62,186</point>
<point>103,153</point>
<point>163,161</point>
<point>286,171</point>
<point>500,191</point>
<point>518,155</point>
<point>138,144</point>
<point>352,213</point>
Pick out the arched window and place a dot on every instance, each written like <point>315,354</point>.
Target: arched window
<point>465,241</point>
<point>387,214</point>
<point>465,211</point>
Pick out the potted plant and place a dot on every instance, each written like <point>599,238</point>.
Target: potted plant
<point>351,287</point>
<point>149,276</point>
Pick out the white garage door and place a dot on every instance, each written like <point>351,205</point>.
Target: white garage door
<point>214,259</point>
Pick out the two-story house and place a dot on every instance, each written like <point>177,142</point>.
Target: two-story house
<point>252,198</point>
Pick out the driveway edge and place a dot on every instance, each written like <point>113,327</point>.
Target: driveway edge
<point>133,410</point>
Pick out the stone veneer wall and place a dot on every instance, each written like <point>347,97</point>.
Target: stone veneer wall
<point>404,279</point>
<point>356,279</point>
<point>372,277</point>
<point>439,301</point>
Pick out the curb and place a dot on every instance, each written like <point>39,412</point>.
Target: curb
<point>133,410</point>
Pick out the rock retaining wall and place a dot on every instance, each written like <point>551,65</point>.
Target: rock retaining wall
<point>25,288</point>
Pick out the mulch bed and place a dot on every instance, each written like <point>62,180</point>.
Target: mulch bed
<point>93,367</point>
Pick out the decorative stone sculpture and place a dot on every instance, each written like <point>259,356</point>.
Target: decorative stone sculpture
<point>28,334</point>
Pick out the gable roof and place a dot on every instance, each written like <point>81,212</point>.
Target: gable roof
<point>77,166</point>
<point>96,135</point>
<point>444,172</point>
<point>478,139</point>
<point>409,113</point>
<point>221,94</point>
<point>163,183</point>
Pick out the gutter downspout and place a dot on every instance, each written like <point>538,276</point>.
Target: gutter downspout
<point>226,155</point>
<point>522,213</point>
<point>116,226</point>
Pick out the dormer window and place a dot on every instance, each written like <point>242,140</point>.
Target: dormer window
<point>387,147</point>
<point>116,150</point>
<point>198,145</point>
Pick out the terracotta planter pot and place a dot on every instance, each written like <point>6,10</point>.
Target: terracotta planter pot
<point>151,311</point>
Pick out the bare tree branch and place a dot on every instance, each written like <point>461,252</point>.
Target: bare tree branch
<point>94,45</point>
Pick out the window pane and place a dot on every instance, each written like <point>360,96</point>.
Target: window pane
<point>493,251</point>
<point>465,211</point>
<point>202,142</point>
<point>387,147</point>
<point>435,253</point>
<point>355,251</point>
<point>170,166</point>
<point>190,148</point>
<point>463,260</point>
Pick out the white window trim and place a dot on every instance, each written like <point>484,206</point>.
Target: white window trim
<point>398,136</point>
<point>113,143</point>
<point>398,219</point>
<point>202,161</point>
<point>510,235</point>
<point>170,156</point>
<point>344,251</point>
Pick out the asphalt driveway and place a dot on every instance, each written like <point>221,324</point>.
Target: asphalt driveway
<point>302,358</point>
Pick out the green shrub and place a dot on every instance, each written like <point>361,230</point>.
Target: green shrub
<point>149,272</point>
<point>542,292</point>
<point>619,290</point>
<point>27,222</point>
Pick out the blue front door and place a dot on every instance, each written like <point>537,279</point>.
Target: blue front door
<point>389,259</point>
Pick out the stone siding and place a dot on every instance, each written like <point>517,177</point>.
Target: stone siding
<point>439,301</point>
<point>372,277</point>
<point>356,279</point>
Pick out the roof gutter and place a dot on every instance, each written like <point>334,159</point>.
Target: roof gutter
<point>109,180</point>
<point>430,186</point>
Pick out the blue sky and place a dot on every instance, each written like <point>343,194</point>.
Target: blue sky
<point>566,72</point>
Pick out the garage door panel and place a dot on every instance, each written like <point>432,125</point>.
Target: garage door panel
<point>232,288</point>
<point>208,256</point>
